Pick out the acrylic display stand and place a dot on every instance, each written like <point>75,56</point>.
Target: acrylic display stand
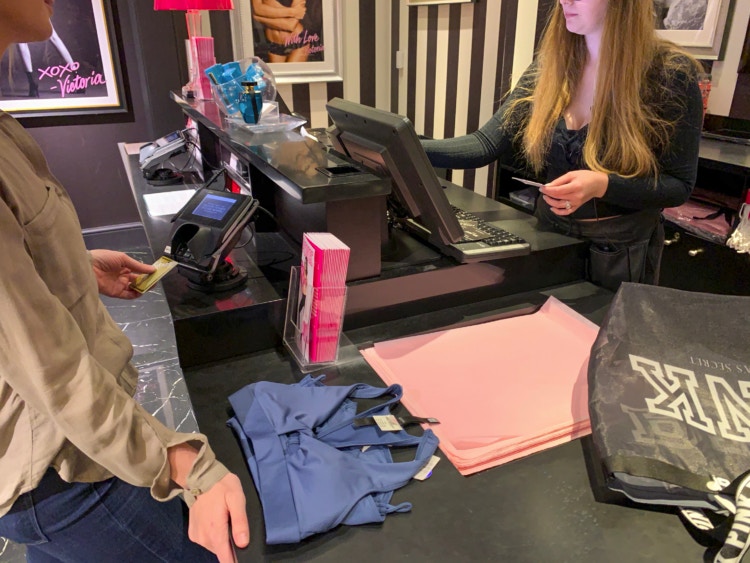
<point>292,328</point>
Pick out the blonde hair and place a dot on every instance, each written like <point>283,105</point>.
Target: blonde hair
<point>628,128</point>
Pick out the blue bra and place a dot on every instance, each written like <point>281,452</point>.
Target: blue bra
<point>312,466</point>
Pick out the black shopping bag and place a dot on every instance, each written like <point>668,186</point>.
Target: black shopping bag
<point>669,399</point>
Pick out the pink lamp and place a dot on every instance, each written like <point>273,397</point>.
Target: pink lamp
<point>201,48</point>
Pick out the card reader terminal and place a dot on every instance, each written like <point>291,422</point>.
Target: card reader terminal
<point>205,231</point>
<point>152,155</point>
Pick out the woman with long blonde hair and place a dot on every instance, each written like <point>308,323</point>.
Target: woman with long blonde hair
<point>612,125</point>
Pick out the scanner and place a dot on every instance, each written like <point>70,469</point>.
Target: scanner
<point>205,231</point>
<point>152,155</point>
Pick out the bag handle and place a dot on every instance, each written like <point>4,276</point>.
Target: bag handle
<point>727,527</point>
<point>738,539</point>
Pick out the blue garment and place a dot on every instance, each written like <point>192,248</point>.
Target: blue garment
<point>107,522</point>
<point>307,460</point>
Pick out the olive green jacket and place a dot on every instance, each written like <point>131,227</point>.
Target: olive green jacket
<point>66,382</point>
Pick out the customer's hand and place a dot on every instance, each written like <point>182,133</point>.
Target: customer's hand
<point>570,191</point>
<point>115,271</point>
<point>212,514</point>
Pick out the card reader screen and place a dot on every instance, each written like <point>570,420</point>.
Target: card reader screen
<point>168,139</point>
<point>214,207</point>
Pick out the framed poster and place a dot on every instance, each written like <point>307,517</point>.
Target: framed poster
<point>696,25</point>
<point>300,40</point>
<point>75,72</point>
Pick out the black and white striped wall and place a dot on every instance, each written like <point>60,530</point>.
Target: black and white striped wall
<point>443,66</point>
<point>447,66</point>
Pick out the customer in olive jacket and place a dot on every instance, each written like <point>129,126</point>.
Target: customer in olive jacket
<point>83,465</point>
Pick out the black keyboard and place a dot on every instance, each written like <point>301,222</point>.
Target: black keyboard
<point>483,241</point>
<point>476,229</point>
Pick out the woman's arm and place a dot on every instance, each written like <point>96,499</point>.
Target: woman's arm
<point>470,151</point>
<point>493,140</point>
<point>678,165</point>
<point>290,25</point>
<point>274,9</point>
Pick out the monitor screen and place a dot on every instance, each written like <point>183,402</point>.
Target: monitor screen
<point>387,144</point>
<point>214,207</point>
<point>168,139</point>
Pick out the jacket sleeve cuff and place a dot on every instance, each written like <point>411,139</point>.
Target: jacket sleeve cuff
<point>204,474</point>
<point>202,480</point>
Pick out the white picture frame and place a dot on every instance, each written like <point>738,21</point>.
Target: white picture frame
<point>76,73</point>
<point>705,43</point>
<point>325,46</point>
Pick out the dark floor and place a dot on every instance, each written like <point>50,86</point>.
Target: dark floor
<point>148,324</point>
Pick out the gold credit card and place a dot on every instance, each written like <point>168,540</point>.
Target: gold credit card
<point>144,282</point>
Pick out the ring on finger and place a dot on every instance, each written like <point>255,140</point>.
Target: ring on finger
<point>567,205</point>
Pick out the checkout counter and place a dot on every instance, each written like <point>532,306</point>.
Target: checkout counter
<point>390,275</point>
<point>540,508</point>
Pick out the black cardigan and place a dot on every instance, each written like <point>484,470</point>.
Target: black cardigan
<point>677,165</point>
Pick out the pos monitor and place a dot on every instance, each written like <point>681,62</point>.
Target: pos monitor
<point>387,144</point>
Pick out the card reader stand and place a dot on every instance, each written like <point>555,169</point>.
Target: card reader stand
<point>162,177</point>
<point>223,277</point>
<point>206,230</point>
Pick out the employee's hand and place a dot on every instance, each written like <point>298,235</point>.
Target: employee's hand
<point>115,271</point>
<point>212,514</point>
<point>571,190</point>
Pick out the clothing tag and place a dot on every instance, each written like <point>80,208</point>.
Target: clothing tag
<point>387,423</point>
<point>402,420</point>
<point>406,420</point>
<point>426,471</point>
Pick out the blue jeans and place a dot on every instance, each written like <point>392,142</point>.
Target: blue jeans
<point>99,523</point>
